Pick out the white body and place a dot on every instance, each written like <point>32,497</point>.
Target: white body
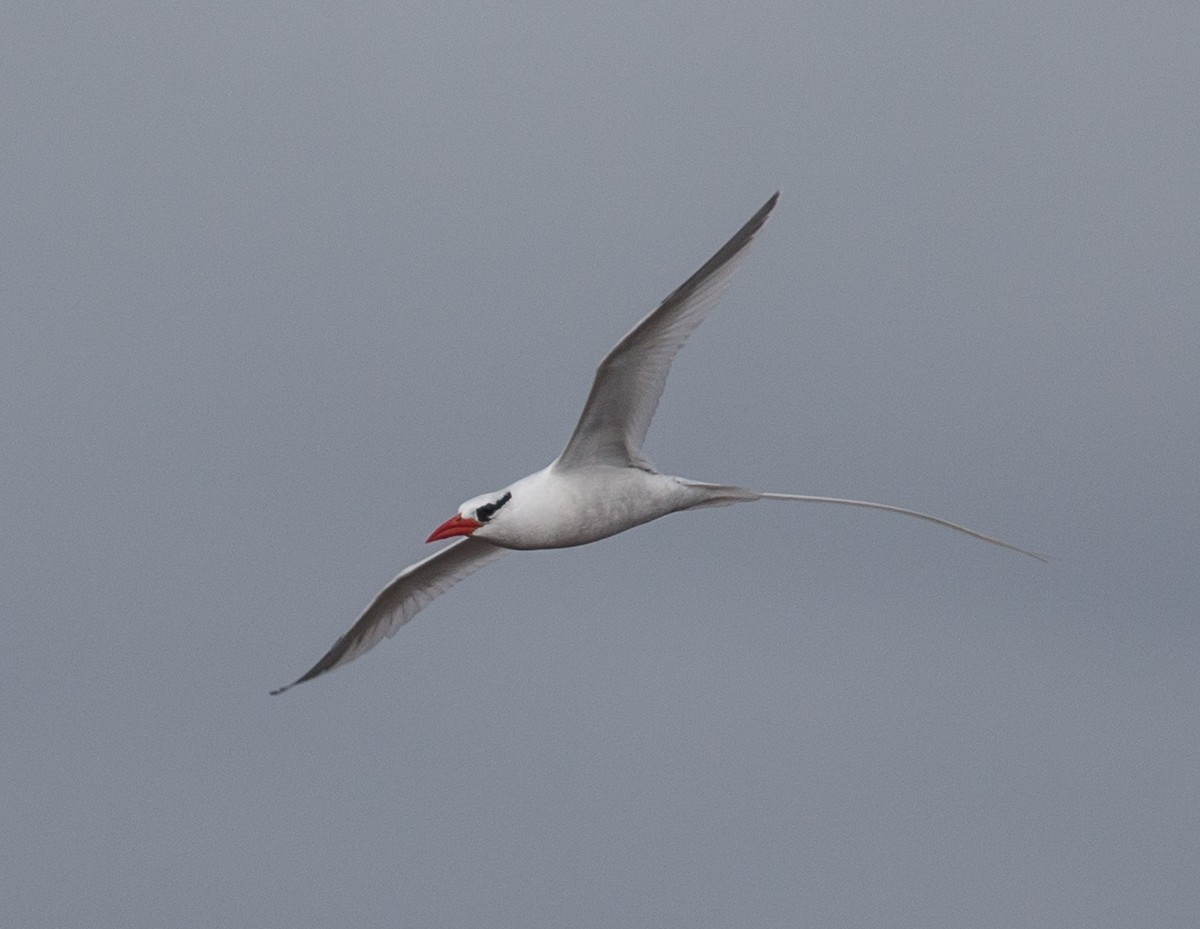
<point>601,484</point>
<point>559,507</point>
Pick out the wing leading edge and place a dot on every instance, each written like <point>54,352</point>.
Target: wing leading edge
<point>630,380</point>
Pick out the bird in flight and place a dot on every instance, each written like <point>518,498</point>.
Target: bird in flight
<point>601,484</point>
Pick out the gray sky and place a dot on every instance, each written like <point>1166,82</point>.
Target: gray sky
<point>281,288</point>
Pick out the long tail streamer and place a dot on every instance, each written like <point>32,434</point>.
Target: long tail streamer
<point>802,498</point>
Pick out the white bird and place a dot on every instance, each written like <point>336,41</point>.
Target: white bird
<point>601,484</point>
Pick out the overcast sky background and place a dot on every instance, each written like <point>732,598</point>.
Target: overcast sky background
<point>282,286</point>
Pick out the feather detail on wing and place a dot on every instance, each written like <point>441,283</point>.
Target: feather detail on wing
<point>402,599</point>
<point>630,380</point>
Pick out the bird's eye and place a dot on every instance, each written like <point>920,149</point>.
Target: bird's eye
<point>488,510</point>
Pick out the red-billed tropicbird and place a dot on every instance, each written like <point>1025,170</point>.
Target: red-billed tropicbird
<point>601,484</point>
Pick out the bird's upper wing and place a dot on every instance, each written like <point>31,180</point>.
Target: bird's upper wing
<point>402,599</point>
<point>630,380</point>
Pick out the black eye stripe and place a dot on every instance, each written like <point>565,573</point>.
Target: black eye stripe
<point>488,510</point>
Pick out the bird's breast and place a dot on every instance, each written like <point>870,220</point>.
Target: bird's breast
<point>559,511</point>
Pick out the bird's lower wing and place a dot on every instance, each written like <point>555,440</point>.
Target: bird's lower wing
<point>402,599</point>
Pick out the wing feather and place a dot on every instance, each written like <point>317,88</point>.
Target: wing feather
<point>630,380</point>
<point>410,592</point>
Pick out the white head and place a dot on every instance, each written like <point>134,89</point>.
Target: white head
<point>472,515</point>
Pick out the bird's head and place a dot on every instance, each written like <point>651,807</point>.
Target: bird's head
<point>472,515</point>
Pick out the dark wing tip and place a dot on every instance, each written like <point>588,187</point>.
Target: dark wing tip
<point>308,676</point>
<point>740,240</point>
<point>300,680</point>
<point>756,221</point>
<point>328,662</point>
